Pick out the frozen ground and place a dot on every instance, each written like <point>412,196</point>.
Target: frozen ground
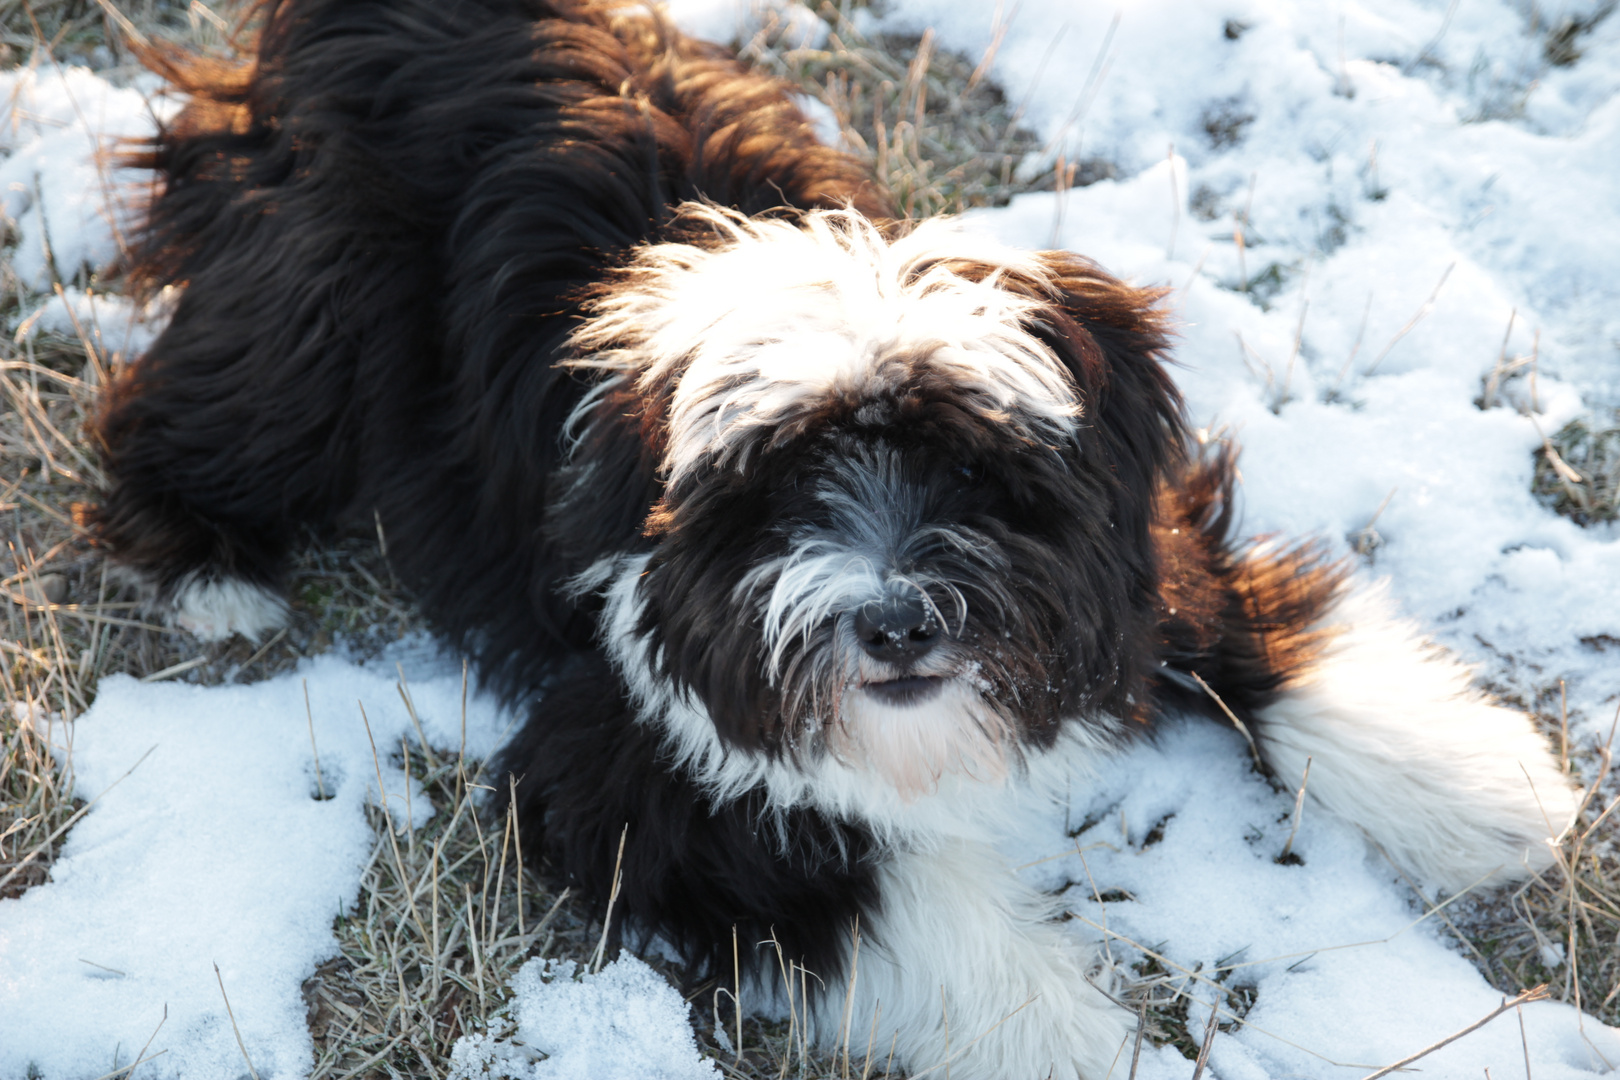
<point>208,845</point>
<point>1409,179</point>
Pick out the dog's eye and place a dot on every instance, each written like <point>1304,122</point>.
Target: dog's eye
<point>968,473</point>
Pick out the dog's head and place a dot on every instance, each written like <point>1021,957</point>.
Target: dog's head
<point>893,493</point>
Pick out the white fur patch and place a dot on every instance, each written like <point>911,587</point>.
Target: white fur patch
<point>213,609</point>
<point>965,972</point>
<point>1452,786</point>
<point>912,747</point>
<point>781,315</point>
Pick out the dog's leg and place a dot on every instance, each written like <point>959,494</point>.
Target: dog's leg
<point>208,576</point>
<point>209,476</point>
<point>963,963</point>
<point>1452,786</point>
<point>305,307</point>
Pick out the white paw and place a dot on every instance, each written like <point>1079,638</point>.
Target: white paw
<point>966,976</point>
<point>214,609</point>
<point>1064,1028</point>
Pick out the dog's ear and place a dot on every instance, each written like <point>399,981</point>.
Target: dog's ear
<point>599,500</point>
<point>1114,340</point>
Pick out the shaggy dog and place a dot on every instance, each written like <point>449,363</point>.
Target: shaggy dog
<point>811,541</point>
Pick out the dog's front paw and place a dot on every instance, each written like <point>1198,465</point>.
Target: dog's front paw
<point>966,975</point>
<point>212,609</point>
<point>1065,1028</point>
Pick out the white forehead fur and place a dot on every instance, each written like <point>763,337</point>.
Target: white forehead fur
<point>781,314</point>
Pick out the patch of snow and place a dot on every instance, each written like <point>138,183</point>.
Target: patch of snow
<point>823,120</point>
<point>207,845</point>
<point>624,1022</point>
<point>63,195</point>
<point>1347,973</point>
<point>735,22</point>
<point>115,325</point>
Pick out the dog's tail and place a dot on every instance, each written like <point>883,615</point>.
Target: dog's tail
<point>1239,622</point>
<point>1323,674</point>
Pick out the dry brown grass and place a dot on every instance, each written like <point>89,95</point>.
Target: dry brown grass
<point>95,33</point>
<point>1562,927</point>
<point>927,120</point>
<point>1578,470</point>
<point>445,918</point>
<point>1577,467</point>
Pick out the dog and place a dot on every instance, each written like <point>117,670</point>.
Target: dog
<point>811,540</point>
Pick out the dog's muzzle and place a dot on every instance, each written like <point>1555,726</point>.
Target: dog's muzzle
<point>898,632</point>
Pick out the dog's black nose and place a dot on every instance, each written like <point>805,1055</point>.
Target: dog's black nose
<point>897,630</point>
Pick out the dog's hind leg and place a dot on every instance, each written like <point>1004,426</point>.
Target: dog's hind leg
<point>197,527</point>
<point>303,296</point>
<point>224,439</point>
<point>245,422</point>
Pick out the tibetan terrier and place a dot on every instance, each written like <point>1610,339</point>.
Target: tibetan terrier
<point>810,540</point>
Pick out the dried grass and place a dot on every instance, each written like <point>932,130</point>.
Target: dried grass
<point>1578,470</point>
<point>64,623</point>
<point>940,134</point>
<point>1577,467</point>
<point>1562,927</point>
<point>446,916</point>
<point>93,32</point>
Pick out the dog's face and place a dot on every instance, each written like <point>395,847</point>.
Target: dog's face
<point>901,489</point>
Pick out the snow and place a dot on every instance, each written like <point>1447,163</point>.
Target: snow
<point>62,193</point>
<point>622,1023</point>
<point>114,325</point>
<point>1412,178</point>
<point>206,845</point>
<point>1341,967</point>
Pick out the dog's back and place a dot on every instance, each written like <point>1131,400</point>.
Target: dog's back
<point>385,186</point>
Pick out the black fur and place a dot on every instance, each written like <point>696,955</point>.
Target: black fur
<point>694,870</point>
<point>388,223</point>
